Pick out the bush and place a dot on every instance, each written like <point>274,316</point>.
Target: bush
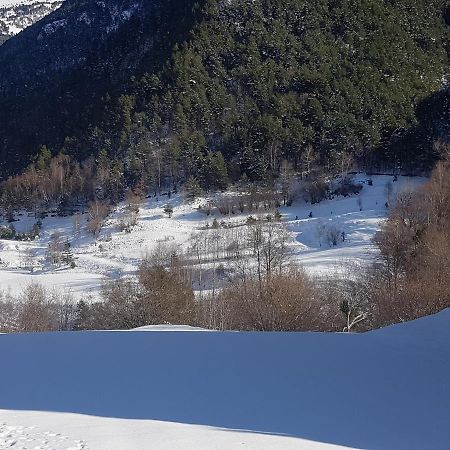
<point>7,233</point>
<point>127,222</point>
<point>168,209</point>
<point>315,191</point>
<point>37,310</point>
<point>277,303</point>
<point>347,187</point>
<point>97,212</point>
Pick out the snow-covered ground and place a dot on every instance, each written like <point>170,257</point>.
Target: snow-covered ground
<point>115,254</point>
<point>16,15</point>
<point>387,389</point>
<point>4,3</point>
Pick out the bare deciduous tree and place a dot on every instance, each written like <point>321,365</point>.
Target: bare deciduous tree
<point>97,212</point>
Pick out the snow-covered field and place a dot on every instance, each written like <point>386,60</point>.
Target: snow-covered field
<point>115,254</point>
<point>387,389</point>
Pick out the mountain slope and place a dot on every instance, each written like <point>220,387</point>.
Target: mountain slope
<point>260,82</point>
<point>16,15</point>
<point>80,53</point>
<point>90,37</point>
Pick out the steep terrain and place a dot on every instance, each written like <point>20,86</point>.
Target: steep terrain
<point>73,58</point>
<point>16,15</point>
<point>259,82</point>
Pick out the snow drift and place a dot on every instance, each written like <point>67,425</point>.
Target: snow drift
<point>386,389</point>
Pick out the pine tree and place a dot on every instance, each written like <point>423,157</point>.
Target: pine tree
<point>43,158</point>
<point>168,209</point>
<point>219,172</point>
<point>192,188</point>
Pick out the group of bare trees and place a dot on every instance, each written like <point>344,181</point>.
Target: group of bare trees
<point>61,184</point>
<point>256,200</point>
<point>286,301</point>
<point>413,275</point>
<point>158,295</point>
<point>37,309</point>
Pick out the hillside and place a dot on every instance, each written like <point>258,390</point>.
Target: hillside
<point>254,82</point>
<point>81,52</point>
<point>137,390</point>
<point>224,224</point>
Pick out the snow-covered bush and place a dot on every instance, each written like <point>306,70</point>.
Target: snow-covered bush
<point>329,233</point>
<point>127,222</point>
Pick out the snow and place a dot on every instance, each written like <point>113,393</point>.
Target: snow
<point>21,438</point>
<point>15,19</point>
<point>168,328</point>
<point>115,254</point>
<point>136,390</point>
<point>4,3</point>
<point>54,26</point>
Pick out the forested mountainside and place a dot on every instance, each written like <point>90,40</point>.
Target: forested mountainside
<point>16,15</point>
<point>56,76</point>
<point>249,85</point>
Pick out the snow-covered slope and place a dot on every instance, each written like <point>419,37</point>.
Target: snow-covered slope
<point>16,15</point>
<point>117,253</point>
<point>387,389</point>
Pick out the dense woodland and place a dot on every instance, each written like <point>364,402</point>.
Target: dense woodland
<point>238,86</point>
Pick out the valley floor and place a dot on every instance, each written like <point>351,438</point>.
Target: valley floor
<point>115,254</point>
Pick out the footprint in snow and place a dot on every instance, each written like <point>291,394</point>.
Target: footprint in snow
<point>30,438</point>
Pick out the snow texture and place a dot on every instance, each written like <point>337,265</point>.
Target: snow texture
<point>23,438</point>
<point>16,15</point>
<point>386,389</point>
<point>7,3</point>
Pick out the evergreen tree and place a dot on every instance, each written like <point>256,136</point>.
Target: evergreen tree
<point>192,188</point>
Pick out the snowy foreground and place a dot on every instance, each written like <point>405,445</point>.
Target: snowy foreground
<point>115,254</point>
<point>387,389</point>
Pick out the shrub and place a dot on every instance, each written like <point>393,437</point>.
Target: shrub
<point>127,222</point>
<point>278,303</point>
<point>168,210</point>
<point>8,233</point>
<point>315,191</point>
<point>347,187</point>
<point>97,212</point>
